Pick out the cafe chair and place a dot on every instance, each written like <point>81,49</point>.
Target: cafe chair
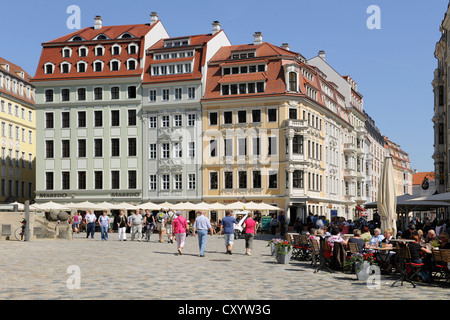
<point>408,270</point>
<point>297,252</point>
<point>315,252</point>
<point>441,271</point>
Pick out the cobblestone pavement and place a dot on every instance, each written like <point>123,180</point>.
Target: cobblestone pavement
<point>41,269</point>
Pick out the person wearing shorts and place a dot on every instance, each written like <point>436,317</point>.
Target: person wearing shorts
<point>227,228</point>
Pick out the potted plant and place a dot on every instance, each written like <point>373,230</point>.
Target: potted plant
<point>273,243</point>
<point>360,263</point>
<point>284,252</point>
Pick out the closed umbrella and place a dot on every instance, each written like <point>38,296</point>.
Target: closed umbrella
<point>387,199</point>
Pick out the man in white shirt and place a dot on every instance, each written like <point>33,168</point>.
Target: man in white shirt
<point>136,226</point>
<point>90,223</point>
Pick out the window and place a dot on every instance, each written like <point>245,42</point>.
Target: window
<point>213,148</point>
<point>152,122</point>
<point>115,93</point>
<point>178,179</point>
<point>81,94</point>
<point>178,122</point>
<point>228,180</point>
<point>132,179</point>
<point>213,181</point>
<point>191,120</point>
<point>292,81</point>
<point>165,182</point>
<point>132,49</point>
<point>256,116</point>
<point>152,95</point>
<point>82,66</point>
<point>49,180</point>
<point>242,179</point>
<point>256,146</point>
<point>132,117</point>
<point>165,94</point>
<point>82,52</point>
<point>65,119</point>
<point>115,65</point>
<point>132,147</point>
<point>228,147</point>
<point>65,95</point>
<point>152,149</point>
<point>242,146</point>
<point>297,144</point>
<point>152,182</point>
<point>98,148</point>
<point>98,118</point>
<point>49,120</point>
<point>81,148</point>
<point>293,114</point>
<point>192,149</point>
<point>115,50</point>
<point>177,150</point>
<point>228,117</point>
<point>98,66</point>
<point>165,148</point>
<point>49,151</point>
<point>191,93</point>
<point>82,180</point>
<point>49,95</point>
<point>260,87</point>
<point>81,119</point>
<point>49,68</point>
<point>191,181</point>
<point>272,150</point>
<point>257,180</point>
<point>99,51</point>
<point>165,123</point>
<point>115,118</point>
<point>98,93</point>
<point>132,92</point>
<point>65,68</point>
<point>115,147</point>
<point>115,179</point>
<point>178,93</point>
<point>67,53</point>
<point>298,179</point>
<point>131,64</point>
<point>273,180</point>
<point>213,119</point>
<point>65,180</point>
<point>98,180</point>
<point>65,148</point>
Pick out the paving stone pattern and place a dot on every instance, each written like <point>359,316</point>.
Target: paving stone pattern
<point>152,270</point>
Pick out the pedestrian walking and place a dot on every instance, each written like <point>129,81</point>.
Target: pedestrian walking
<point>168,223</point>
<point>104,221</point>
<point>149,222</point>
<point>76,222</point>
<point>250,231</point>
<point>227,228</point>
<point>121,222</point>
<point>90,223</point>
<point>282,221</point>
<point>160,224</point>
<point>202,225</point>
<point>180,226</point>
<point>136,225</point>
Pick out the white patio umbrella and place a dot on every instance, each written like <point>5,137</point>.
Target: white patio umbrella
<point>218,206</point>
<point>20,206</point>
<point>86,205</point>
<point>236,206</point>
<point>166,205</point>
<point>52,206</point>
<point>184,206</point>
<point>125,206</point>
<point>149,206</point>
<point>203,206</point>
<point>387,199</point>
<point>266,206</point>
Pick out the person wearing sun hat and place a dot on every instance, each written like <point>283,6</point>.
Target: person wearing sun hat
<point>179,227</point>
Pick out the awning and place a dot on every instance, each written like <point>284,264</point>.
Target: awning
<point>360,208</point>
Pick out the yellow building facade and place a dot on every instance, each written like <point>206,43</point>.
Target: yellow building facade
<point>18,134</point>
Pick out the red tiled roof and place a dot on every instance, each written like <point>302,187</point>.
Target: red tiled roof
<point>13,73</point>
<point>419,176</point>
<point>52,52</point>
<point>233,78</point>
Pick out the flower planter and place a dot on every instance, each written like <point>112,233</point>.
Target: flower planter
<point>273,250</point>
<point>284,258</point>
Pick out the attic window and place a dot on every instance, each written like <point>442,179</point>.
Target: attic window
<point>101,37</point>
<point>243,55</point>
<point>126,36</point>
<point>77,38</point>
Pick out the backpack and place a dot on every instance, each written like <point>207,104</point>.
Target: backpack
<point>170,219</point>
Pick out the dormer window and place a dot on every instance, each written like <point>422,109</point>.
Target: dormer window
<point>116,50</point>
<point>83,52</point>
<point>98,66</point>
<point>115,65</point>
<point>176,43</point>
<point>99,51</point>
<point>77,38</point>
<point>126,36</point>
<point>49,68</point>
<point>132,48</point>
<point>65,67</point>
<point>67,52</point>
<point>81,66</point>
<point>101,37</point>
<point>292,72</point>
<point>132,64</point>
<point>243,55</point>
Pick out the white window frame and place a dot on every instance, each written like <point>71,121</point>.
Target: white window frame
<point>49,64</point>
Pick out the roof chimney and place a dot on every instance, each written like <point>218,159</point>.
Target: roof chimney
<point>286,46</point>
<point>322,54</point>
<point>216,27</point>
<point>258,37</point>
<point>153,18</point>
<point>98,23</point>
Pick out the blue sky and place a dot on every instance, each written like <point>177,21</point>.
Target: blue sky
<point>393,66</point>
